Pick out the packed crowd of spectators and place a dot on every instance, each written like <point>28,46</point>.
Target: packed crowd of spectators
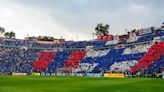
<point>17,60</point>
<point>154,53</point>
<point>26,43</point>
<point>20,55</point>
<point>114,60</point>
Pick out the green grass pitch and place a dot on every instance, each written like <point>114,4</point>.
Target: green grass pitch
<point>78,84</point>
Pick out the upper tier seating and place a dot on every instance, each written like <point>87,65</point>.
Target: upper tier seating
<point>83,44</point>
<point>147,37</point>
<point>160,33</point>
<point>25,43</point>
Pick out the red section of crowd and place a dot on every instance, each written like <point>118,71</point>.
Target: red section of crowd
<point>74,60</point>
<point>44,60</point>
<point>154,53</point>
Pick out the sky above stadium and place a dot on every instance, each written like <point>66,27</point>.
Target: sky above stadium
<point>78,18</point>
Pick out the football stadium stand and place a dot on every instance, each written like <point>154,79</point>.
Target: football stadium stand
<point>137,52</point>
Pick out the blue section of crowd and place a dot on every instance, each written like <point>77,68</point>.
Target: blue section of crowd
<point>59,60</point>
<point>17,60</point>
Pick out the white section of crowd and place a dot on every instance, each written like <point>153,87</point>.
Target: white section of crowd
<point>97,53</point>
<point>122,66</point>
<point>137,49</point>
<point>86,67</point>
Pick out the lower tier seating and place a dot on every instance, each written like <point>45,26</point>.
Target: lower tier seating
<point>74,60</point>
<point>154,53</point>
<point>44,60</point>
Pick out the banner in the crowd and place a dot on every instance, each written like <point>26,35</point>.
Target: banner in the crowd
<point>163,74</point>
<point>111,75</point>
<point>19,74</point>
<point>60,74</point>
<point>145,31</point>
<point>52,74</point>
<point>79,74</point>
<point>49,42</point>
<point>94,75</point>
<point>105,37</point>
<point>48,74</point>
<point>43,74</point>
<point>36,74</point>
<point>64,74</point>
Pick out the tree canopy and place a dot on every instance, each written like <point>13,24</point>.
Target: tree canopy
<point>102,29</point>
<point>8,35</point>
